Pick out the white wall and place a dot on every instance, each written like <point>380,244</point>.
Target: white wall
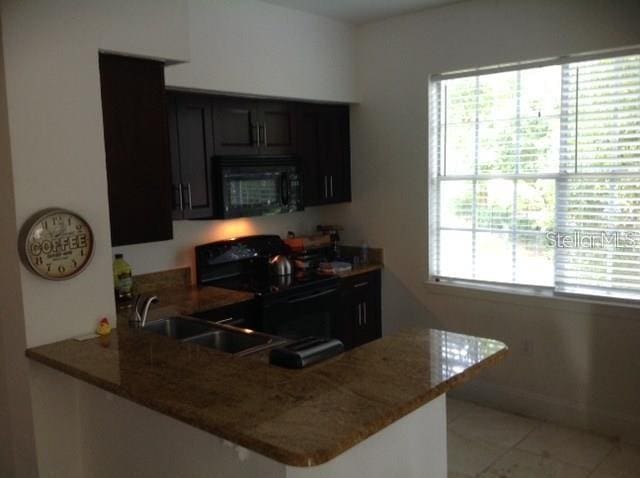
<point>53,123</point>
<point>56,158</point>
<point>583,361</point>
<point>179,252</point>
<point>254,48</point>
<point>17,454</point>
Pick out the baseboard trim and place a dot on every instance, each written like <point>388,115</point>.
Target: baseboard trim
<point>542,407</point>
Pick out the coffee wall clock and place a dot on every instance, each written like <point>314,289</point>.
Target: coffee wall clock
<point>56,244</point>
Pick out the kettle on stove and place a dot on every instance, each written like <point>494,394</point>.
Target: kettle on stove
<point>280,265</point>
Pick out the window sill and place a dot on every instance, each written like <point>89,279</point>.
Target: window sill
<point>544,300</point>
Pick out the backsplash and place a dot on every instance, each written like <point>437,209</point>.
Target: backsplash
<point>179,252</point>
<point>375,254</point>
<point>147,283</point>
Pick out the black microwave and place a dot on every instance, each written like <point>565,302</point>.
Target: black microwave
<point>256,185</point>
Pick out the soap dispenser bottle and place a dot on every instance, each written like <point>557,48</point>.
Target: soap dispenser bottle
<point>122,279</point>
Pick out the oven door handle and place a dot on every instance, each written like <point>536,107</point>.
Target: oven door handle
<point>312,296</point>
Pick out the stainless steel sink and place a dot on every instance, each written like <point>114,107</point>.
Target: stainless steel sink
<point>236,341</point>
<point>223,337</point>
<point>178,327</point>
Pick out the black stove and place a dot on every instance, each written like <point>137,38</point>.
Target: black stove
<point>243,264</point>
<point>266,285</point>
<point>293,306</point>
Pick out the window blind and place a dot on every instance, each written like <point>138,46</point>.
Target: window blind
<point>535,177</point>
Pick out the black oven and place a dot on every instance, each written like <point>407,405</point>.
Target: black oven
<point>256,186</point>
<point>298,314</point>
<point>295,306</point>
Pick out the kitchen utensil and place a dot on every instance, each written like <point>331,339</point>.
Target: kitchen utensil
<point>280,265</point>
<point>305,352</point>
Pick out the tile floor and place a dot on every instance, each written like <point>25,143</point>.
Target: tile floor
<point>486,443</point>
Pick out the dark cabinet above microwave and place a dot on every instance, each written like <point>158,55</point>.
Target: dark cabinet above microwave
<point>204,127</point>
<point>253,127</point>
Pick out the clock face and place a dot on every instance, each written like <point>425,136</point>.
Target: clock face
<point>58,245</point>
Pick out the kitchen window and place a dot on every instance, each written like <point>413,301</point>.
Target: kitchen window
<point>535,177</point>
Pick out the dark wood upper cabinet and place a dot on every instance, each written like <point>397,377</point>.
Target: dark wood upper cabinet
<point>191,134</point>
<point>310,149</point>
<point>277,127</point>
<point>323,144</point>
<point>137,149</point>
<point>204,126</point>
<point>236,126</point>
<point>252,127</point>
<point>338,148</point>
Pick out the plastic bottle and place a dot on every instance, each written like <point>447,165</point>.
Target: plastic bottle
<point>364,254</point>
<point>122,279</point>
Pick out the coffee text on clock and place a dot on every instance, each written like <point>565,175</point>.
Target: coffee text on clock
<point>60,244</point>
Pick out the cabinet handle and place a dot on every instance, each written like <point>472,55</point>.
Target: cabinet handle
<point>359,314</point>
<point>331,184</point>
<point>326,194</point>
<point>361,284</point>
<point>364,313</point>
<point>189,195</point>
<point>264,130</point>
<point>181,202</point>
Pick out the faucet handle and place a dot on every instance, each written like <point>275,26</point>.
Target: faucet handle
<point>146,304</point>
<point>138,318</point>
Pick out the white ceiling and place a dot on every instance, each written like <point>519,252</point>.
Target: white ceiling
<point>359,11</point>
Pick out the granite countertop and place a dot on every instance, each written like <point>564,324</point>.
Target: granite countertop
<point>189,299</point>
<point>297,417</point>
<point>177,296</point>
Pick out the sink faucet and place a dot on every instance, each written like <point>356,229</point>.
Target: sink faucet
<point>139,319</point>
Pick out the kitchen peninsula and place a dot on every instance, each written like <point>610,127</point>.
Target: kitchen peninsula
<point>381,402</point>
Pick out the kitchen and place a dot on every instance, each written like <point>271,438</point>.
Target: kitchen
<point>55,157</point>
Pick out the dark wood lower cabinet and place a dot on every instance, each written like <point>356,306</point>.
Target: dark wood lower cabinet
<point>360,317</point>
<point>137,149</point>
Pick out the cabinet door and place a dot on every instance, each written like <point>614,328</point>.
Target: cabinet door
<point>337,151</point>
<point>177,196</point>
<point>277,127</point>
<point>235,124</point>
<point>369,320</point>
<point>360,320</point>
<point>324,148</point>
<point>137,149</point>
<point>195,149</point>
<point>310,152</point>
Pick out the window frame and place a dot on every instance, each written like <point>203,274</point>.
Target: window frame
<point>436,283</point>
